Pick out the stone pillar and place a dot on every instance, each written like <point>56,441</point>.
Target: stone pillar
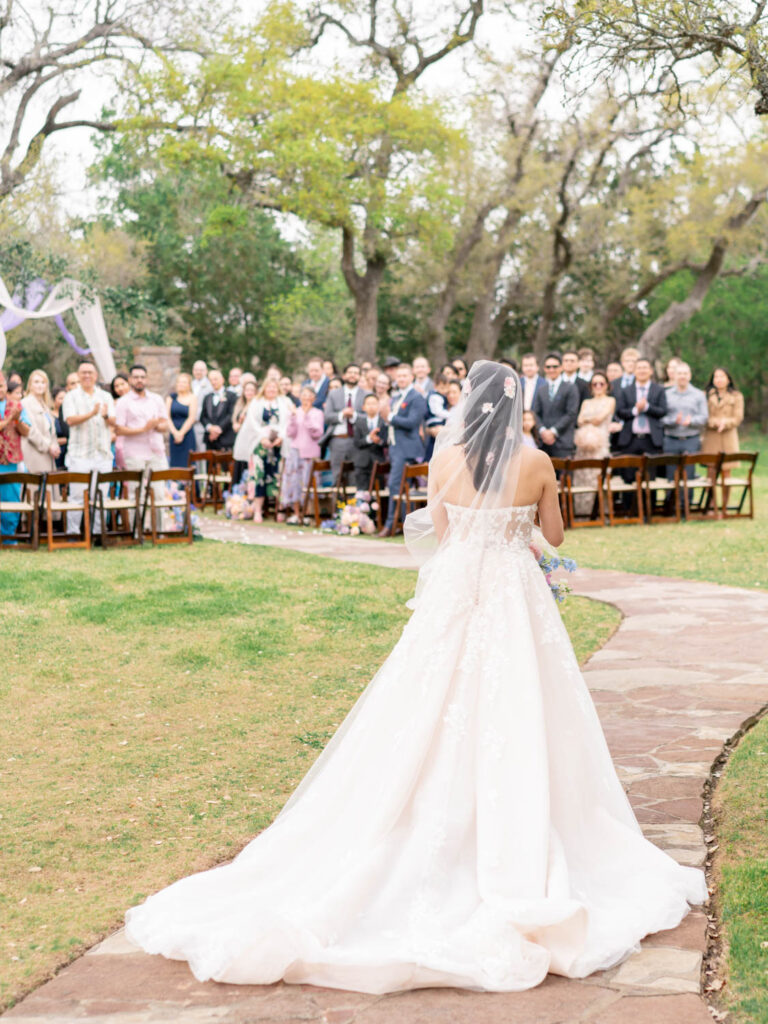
<point>163,363</point>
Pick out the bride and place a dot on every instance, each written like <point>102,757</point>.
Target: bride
<point>465,826</point>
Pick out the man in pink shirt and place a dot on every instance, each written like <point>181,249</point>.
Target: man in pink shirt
<point>141,420</point>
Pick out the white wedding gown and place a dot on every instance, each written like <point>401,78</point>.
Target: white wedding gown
<point>465,825</point>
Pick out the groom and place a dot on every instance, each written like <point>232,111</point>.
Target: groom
<point>405,444</point>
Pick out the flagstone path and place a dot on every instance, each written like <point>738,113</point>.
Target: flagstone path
<point>687,666</point>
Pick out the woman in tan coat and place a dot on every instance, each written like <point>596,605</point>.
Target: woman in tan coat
<point>40,447</point>
<point>726,413</point>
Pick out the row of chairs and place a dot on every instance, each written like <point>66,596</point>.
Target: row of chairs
<point>625,489</point>
<point>116,497</point>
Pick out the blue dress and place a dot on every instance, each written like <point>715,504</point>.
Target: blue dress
<point>180,452</point>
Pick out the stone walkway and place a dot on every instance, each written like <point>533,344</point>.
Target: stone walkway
<point>687,666</point>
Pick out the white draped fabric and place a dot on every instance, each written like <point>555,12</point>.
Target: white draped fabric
<point>65,296</point>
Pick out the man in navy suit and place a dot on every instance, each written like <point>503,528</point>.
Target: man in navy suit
<point>317,380</point>
<point>641,407</point>
<point>531,379</point>
<point>556,407</point>
<point>405,444</point>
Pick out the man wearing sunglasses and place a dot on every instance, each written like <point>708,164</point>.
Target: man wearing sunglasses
<point>556,407</point>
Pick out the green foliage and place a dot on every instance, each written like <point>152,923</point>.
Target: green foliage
<point>731,330</point>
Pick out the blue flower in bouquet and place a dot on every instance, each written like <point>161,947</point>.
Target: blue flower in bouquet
<point>549,564</point>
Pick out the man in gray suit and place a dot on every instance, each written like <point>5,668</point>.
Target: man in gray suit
<point>342,408</point>
<point>556,407</point>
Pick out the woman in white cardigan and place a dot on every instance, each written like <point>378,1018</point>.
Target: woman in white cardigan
<point>40,447</point>
<point>265,432</point>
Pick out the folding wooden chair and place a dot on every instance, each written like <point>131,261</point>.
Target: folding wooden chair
<point>317,492</point>
<point>27,507</point>
<point>120,511</point>
<point>221,468</point>
<point>700,492</point>
<point>62,505</point>
<point>596,514</point>
<point>200,463</point>
<point>380,490</point>
<point>617,486</point>
<point>744,463</point>
<point>342,489</point>
<point>561,469</point>
<point>414,472</point>
<point>661,478</point>
<point>155,506</point>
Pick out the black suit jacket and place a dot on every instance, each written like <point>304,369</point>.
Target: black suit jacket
<point>219,415</point>
<point>559,413</point>
<point>657,408</point>
<point>367,452</point>
<point>582,386</point>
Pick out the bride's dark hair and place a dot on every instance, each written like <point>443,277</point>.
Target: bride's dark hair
<point>492,421</point>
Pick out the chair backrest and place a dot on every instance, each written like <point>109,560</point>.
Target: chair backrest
<point>560,465</point>
<point>574,464</point>
<point>380,470</point>
<point>159,475</point>
<point>748,459</point>
<point>26,479</point>
<point>419,469</point>
<point>220,458</point>
<point>712,459</point>
<point>662,461</point>
<point>194,457</point>
<point>617,462</point>
<point>320,465</point>
<point>63,479</point>
<point>119,476</point>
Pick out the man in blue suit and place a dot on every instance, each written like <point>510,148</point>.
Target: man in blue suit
<point>405,444</point>
<point>317,380</point>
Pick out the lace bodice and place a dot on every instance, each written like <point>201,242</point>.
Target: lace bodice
<point>491,527</point>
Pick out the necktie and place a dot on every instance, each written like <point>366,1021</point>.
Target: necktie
<point>552,386</point>
<point>642,419</point>
<point>350,431</point>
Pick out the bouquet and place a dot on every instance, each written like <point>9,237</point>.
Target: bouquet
<point>238,504</point>
<point>352,517</point>
<point>548,563</point>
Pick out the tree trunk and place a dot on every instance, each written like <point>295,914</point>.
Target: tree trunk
<point>481,343</point>
<point>365,291</point>
<point>679,312</point>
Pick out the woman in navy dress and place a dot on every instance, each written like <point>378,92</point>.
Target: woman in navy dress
<point>182,410</point>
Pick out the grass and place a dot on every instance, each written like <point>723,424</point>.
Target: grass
<point>740,807</point>
<point>158,706</point>
<point>731,551</point>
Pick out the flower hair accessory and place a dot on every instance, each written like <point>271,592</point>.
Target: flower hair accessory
<point>510,387</point>
<point>487,407</point>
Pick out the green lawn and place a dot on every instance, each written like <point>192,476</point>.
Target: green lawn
<point>740,806</point>
<point>157,707</point>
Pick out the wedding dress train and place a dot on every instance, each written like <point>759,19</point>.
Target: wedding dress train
<point>465,826</point>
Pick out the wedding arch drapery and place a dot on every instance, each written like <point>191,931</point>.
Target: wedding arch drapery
<point>64,296</point>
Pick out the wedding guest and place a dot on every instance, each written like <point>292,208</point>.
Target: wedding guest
<point>586,363</point>
<point>14,425</point>
<point>390,368</point>
<point>370,438</point>
<point>641,406</point>
<point>342,409</point>
<point>72,380</point>
<point>245,431</point>
<point>725,413</point>
<point>365,366</point>
<point>201,386</point>
<point>437,413</point>
<point>556,407</point>
<point>317,380</point>
<point>371,376</point>
<point>686,416</point>
<point>286,390</point>
<point>421,376</point>
<point>142,420</point>
<point>216,416</point>
<point>508,362</point>
<point>40,447</point>
<point>274,371</point>
<point>530,431</point>
<point>89,412</point>
<point>120,385</point>
<point>629,358</point>
<point>460,367</point>
<point>234,382</point>
<point>15,387</point>
<point>613,372</point>
<point>571,374</point>
<point>670,371</point>
<point>530,378</point>
<point>592,437</point>
<point>268,418</point>
<point>62,430</point>
<point>453,394</point>
<point>334,383</point>
<point>181,411</point>
<point>304,430</point>
<point>448,371</point>
<point>381,390</point>
<point>329,368</point>
<point>404,435</point>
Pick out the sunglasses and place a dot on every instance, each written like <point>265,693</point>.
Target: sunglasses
<point>599,384</point>
<point>552,366</point>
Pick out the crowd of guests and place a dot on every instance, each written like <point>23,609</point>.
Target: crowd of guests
<point>275,428</point>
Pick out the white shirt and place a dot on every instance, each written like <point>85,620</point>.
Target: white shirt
<point>395,409</point>
<point>529,390</point>
<point>91,438</point>
<point>340,430</point>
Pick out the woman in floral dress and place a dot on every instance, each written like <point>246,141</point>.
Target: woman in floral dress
<point>268,418</point>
